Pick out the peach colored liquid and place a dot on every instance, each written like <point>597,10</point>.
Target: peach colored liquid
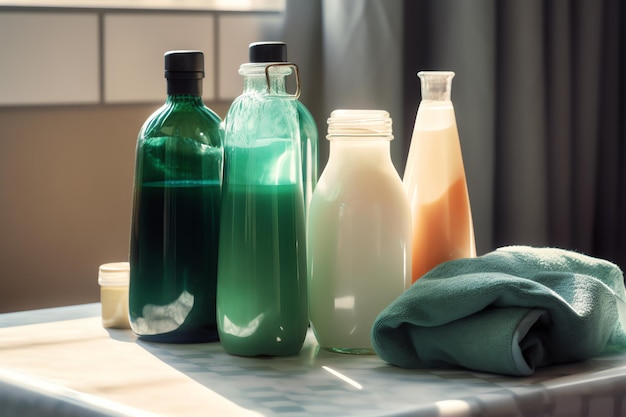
<point>436,186</point>
<point>442,231</point>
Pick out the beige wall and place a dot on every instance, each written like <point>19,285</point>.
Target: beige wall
<point>66,170</point>
<point>65,199</point>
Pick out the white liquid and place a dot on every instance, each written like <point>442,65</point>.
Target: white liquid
<point>359,244</point>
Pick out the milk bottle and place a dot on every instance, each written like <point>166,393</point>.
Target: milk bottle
<point>359,232</point>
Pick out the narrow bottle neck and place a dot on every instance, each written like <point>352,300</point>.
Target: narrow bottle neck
<point>436,85</point>
<point>190,99</point>
<point>258,83</point>
<point>255,79</point>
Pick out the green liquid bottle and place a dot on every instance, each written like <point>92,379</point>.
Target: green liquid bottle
<point>176,212</point>
<point>261,290</point>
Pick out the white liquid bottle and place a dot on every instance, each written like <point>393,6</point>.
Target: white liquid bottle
<point>359,232</point>
<point>435,180</point>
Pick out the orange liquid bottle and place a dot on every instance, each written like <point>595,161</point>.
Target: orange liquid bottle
<point>435,181</point>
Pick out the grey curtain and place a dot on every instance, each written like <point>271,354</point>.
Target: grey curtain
<point>350,56</point>
<point>539,94</point>
<point>560,177</point>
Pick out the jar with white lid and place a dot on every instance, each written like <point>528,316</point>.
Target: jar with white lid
<point>113,279</point>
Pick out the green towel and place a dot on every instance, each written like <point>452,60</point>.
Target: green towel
<point>509,312</point>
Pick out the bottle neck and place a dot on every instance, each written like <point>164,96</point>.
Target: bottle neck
<point>255,79</point>
<point>259,84</point>
<point>184,99</point>
<point>360,149</point>
<point>436,85</point>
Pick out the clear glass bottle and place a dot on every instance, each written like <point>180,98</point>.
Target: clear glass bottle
<point>309,153</point>
<point>435,181</point>
<point>276,52</point>
<point>176,212</point>
<point>261,291</point>
<point>359,232</point>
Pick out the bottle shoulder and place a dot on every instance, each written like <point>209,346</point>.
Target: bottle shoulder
<point>254,99</point>
<point>252,115</point>
<point>359,183</point>
<point>380,199</point>
<point>184,120</point>
<point>184,112</point>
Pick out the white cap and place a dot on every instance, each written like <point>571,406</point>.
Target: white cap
<point>115,274</point>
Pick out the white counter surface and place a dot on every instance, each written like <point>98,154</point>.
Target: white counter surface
<point>62,362</point>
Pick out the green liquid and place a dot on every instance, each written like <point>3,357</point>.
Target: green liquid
<point>173,259</point>
<point>262,299</point>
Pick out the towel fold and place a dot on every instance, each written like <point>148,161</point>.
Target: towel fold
<point>509,312</point>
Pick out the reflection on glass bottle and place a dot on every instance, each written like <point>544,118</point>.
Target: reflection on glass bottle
<point>309,152</point>
<point>176,211</point>
<point>434,179</point>
<point>163,319</point>
<point>261,293</point>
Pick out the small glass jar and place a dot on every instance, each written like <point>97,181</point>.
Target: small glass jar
<point>113,279</point>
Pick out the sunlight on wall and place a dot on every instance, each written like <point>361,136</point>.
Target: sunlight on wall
<point>219,5</point>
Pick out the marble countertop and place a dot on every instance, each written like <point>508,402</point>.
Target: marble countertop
<point>62,362</point>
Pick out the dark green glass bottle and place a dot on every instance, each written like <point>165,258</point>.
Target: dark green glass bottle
<point>176,212</point>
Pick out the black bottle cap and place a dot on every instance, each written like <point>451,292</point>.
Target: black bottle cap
<point>267,52</point>
<point>184,64</point>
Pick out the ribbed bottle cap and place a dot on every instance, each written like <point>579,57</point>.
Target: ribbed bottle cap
<point>184,64</point>
<point>361,123</point>
<point>267,52</point>
<point>115,274</point>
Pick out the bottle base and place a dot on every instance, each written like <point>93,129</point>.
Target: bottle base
<point>182,337</point>
<point>261,351</point>
<point>350,351</point>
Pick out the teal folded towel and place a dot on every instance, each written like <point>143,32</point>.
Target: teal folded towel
<point>509,312</point>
